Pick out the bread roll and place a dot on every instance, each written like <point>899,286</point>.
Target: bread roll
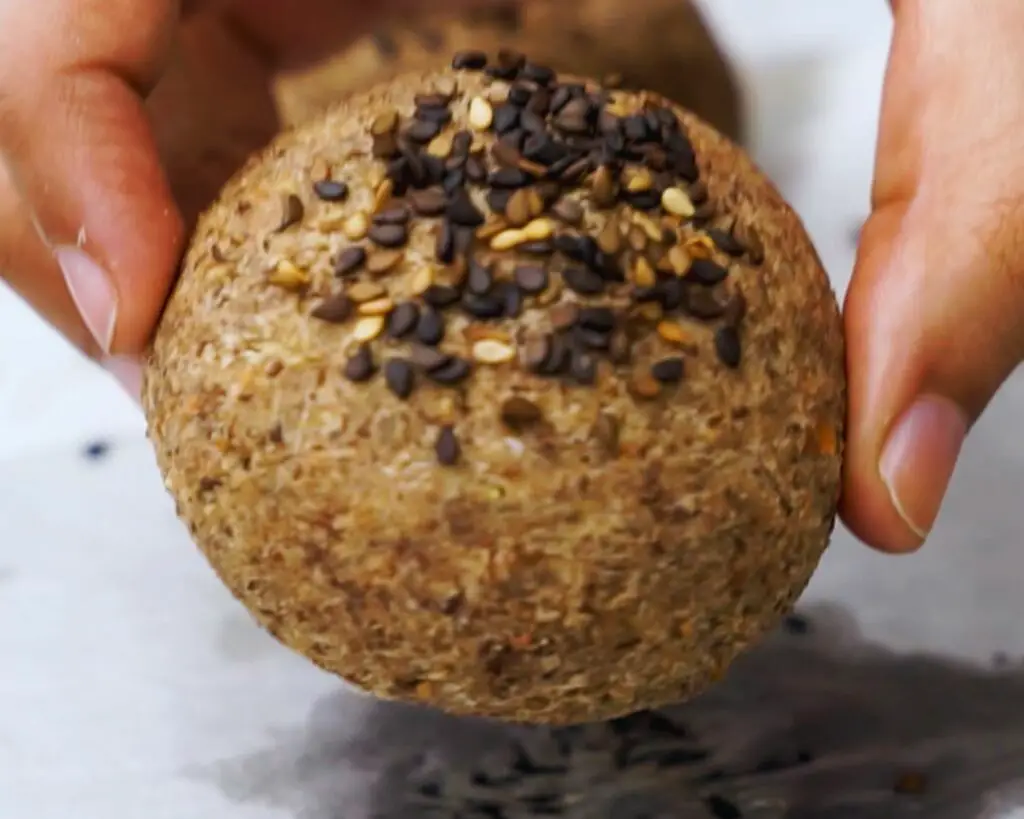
<point>505,392</point>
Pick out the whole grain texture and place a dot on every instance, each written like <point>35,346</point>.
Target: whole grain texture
<point>551,465</point>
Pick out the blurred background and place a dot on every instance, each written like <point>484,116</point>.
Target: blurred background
<point>132,685</point>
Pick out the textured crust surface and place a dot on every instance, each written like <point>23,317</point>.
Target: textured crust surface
<point>551,576</point>
<point>657,45</point>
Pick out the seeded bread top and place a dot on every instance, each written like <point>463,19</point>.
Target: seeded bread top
<point>572,238</point>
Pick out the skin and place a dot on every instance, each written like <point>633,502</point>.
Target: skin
<point>120,124</point>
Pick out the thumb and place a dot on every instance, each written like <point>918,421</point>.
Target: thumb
<point>935,311</point>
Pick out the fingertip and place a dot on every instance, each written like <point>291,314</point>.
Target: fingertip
<point>868,511</point>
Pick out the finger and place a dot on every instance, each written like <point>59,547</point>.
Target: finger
<point>934,312</point>
<point>30,269</point>
<point>75,134</point>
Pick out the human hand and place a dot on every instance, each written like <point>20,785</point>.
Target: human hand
<point>119,121</point>
<point>935,311</point>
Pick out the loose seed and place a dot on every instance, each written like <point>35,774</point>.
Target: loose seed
<point>389,236</point>
<point>377,307</point>
<point>403,320</point>
<point>706,272</point>
<point>508,239</point>
<point>481,114</point>
<point>400,377</point>
<point>650,228</point>
<point>428,359</point>
<point>440,296</point>
<point>523,206</point>
<point>361,292</point>
<point>481,332</point>
<point>423,131</point>
<point>519,414</point>
<point>360,367</point>
<point>349,261</point>
<point>288,276</point>
<point>569,211</point>
<point>674,333</point>
<point>382,195</point>
<point>651,312</point>
<point>462,211</point>
<point>395,215</point>
<point>356,226</point>
<point>455,371</point>
<point>385,122</point>
<point>600,319</point>
<point>702,303</point>
<point>639,180</point>
<point>700,246</point>
<point>539,229</point>
<point>292,211</point>
<point>535,353</point>
<point>679,260</point>
<point>441,145</point>
<point>531,279</point>
<point>469,61</point>
<point>334,310</point>
<point>368,328</point>
<point>490,351</point>
<point>609,239</point>
<point>513,298</point>
<point>604,187</point>
<point>428,202</point>
<point>494,225</point>
<point>727,346</point>
<point>384,262</point>
<point>483,307</point>
<point>421,280</point>
<point>430,328</point>
<point>444,248</point>
<point>583,281</point>
<point>668,370</point>
<point>480,279</point>
<point>644,386</point>
<point>643,274</point>
<point>676,202</point>
<point>726,242</point>
<point>447,447</point>
<point>330,190</point>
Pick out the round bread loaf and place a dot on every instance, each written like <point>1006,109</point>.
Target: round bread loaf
<point>654,45</point>
<point>505,392</point>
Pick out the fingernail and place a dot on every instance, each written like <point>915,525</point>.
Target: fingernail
<point>127,371</point>
<point>919,457</point>
<point>92,291</point>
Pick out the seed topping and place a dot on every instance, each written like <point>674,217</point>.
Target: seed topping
<point>572,239</point>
